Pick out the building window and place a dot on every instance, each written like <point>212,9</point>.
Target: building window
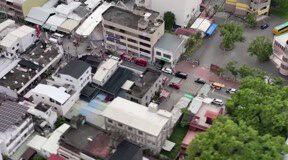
<point>32,35</point>
<point>145,44</point>
<point>110,121</point>
<point>158,53</point>
<point>140,132</point>
<point>13,48</point>
<point>120,125</point>
<point>130,129</point>
<point>167,56</point>
<point>131,40</point>
<point>17,44</point>
<point>122,31</point>
<point>144,38</point>
<point>133,47</point>
<point>145,51</point>
<point>52,100</point>
<point>285,59</point>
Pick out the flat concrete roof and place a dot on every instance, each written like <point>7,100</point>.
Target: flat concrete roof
<point>170,42</point>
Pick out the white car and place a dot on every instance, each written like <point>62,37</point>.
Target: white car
<point>167,70</point>
<point>231,90</point>
<point>218,102</point>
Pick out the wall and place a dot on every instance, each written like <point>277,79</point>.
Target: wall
<point>183,10</point>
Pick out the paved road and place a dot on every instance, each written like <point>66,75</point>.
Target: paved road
<point>211,53</point>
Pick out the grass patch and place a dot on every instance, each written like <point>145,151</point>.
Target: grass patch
<point>176,137</point>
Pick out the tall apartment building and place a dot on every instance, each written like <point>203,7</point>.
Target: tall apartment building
<point>15,126</point>
<point>144,126</point>
<point>243,7</point>
<point>134,32</point>
<point>280,53</point>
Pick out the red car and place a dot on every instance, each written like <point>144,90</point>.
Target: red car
<point>141,62</point>
<point>174,85</point>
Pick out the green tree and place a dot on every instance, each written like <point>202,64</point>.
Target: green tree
<point>60,120</point>
<point>192,43</point>
<point>251,20</point>
<point>261,105</point>
<point>169,19</point>
<point>231,33</point>
<point>232,68</point>
<point>186,117</point>
<point>228,140</point>
<point>246,71</point>
<point>261,47</point>
<point>38,157</point>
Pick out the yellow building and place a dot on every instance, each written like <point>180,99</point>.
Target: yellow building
<point>243,7</point>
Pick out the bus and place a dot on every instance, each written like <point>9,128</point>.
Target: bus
<point>282,28</point>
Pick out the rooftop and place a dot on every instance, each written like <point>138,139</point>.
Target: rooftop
<point>88,140</point>
<point>29,64</point>
<point>57,94</point>
<point>11,114</point>
<point>131,19</point>
<point>74,68</point>
<point>114,84</point>
<point>137,116</point>
<point>125,151</point>
<point>148,79</point>
<point>171,43</point>
<point>282,39</point>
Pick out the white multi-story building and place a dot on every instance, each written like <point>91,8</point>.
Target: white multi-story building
<point>60,98</point>
<point>184,10</point>
<point>280,53</point>
<point>76,73</point>
<point>105,71</point>
<point>169,49</point>
<point>15,126</point>
<point>18,41</point>
<point>145,126</point>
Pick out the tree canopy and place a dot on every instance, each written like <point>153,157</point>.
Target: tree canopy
<point>192,43</point>
<point>169,19</point>
<point>228,140</point>
<point>231,33</point>
<point>251,20</point>
<point>261,105</point>
<point>261,47</point>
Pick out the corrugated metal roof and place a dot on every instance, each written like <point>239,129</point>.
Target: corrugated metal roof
<point>38,15</point>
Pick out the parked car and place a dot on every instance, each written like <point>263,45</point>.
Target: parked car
<point>217,85</point>
<point>218,102</point>
<point>181,75</point>
<point>231,90</point>
<point>200,81</point>
<point>141,62</point>
<point>264,26</point>
<point>174,85</point>
<point>167,70</point>
<point>114,57</point>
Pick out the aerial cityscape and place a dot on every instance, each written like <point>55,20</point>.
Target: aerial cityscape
<point>144,79</point>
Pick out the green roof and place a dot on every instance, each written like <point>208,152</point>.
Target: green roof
<point>281,25</point>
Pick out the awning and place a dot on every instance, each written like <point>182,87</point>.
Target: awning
<point>168,145</point>
<point>211,29</point>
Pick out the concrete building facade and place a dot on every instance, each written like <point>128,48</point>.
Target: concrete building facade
<point>146,127</point>
<point>183,11</point>
<point>15,127</point>
<point>243,7</point>
<point>134,32</point>
<point>280,53</point>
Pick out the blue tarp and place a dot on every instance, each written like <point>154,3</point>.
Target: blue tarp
<point>211,29</point>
